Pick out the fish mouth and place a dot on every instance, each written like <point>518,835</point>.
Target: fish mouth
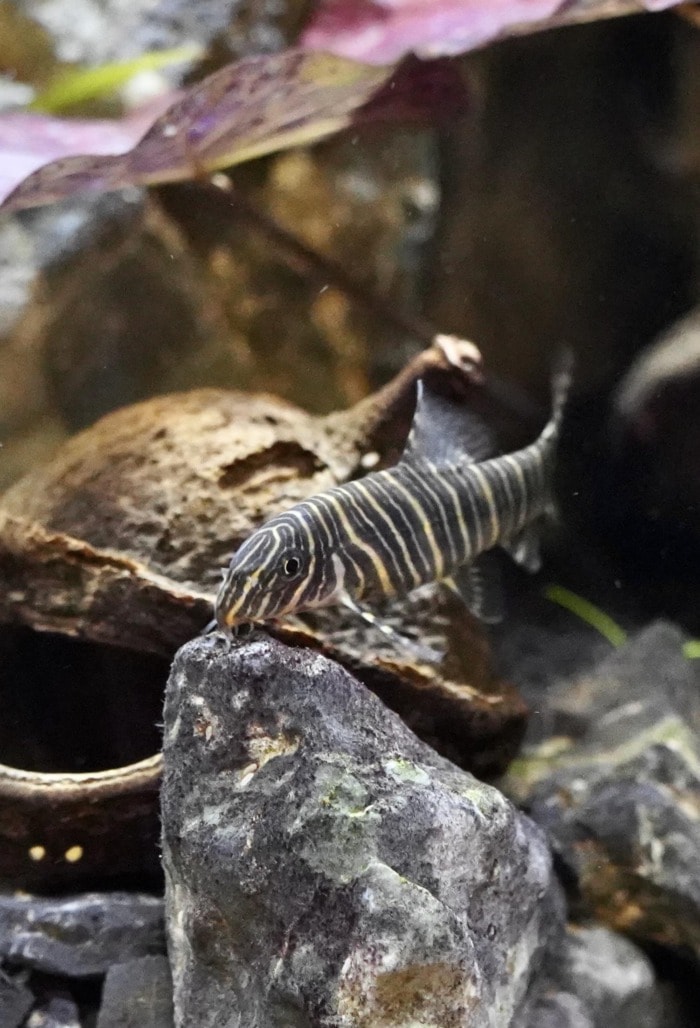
<point>228,605</point>
<point>225,617</point>
<point>228,620</point>
<point>231,626</point>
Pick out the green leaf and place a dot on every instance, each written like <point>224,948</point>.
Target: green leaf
<point>81,84</point>
<point>587,612</point>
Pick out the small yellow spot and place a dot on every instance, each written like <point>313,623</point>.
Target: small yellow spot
<point>73,854</point>
<point>37,853</point>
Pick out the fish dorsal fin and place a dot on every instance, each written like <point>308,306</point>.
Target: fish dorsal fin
<point>445,432</point>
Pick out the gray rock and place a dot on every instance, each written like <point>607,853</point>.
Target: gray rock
<point>15,1000</point>
<point>58,1012</point>
<point>99,31</point>
<point>324,867</point>
<point>612,977</point>
<point>137,994</point>
<point>538,646</point>
<point>656,424</point>
<point>617,788</point>
<point>637,684</point>
<point>80,935</point>
<point>561,1010</point>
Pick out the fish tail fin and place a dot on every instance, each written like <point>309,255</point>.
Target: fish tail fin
<point>561,384</point>
<point>524,546</point>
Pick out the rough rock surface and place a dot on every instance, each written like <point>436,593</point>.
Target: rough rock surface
<point>15,1000</point>
<point>606,979</point>
<point>617,787</point>
<point>561,1010</point>
<point>93,32</point>
<point>79,936</point>
<point>324,867</point>
<point>58,1012</point>
<point>137,994</point>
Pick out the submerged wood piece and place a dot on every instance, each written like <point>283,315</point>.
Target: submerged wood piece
<point>54,582</point>
<point>59,829</point>
<point>122,537</point>
<point>120,541</point>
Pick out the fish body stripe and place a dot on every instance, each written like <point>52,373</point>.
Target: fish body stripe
<point>374,525</point>
<point>412,524</point>
<point>394,541</point>
<point>423,523</point>
<point>317,566</point>
<point>486,501</point>
<point>429,540</point>
<point>405,525</point>
<point>512,492</point>
<point>321,511</point>
<point>395,529</point>
<point>440,514</point>
<point>358,540</point>
<point>227,596</point>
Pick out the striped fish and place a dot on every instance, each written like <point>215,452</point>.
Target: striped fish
<point>431,517</point>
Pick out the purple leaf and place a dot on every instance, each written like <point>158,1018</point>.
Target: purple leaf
<point>384,31</point>
<point>246,109</point>
<point>419,91</point>
<point>28,141</point>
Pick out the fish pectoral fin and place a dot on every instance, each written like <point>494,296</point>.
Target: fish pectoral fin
<point>370,618</point>
<point>445,432</point>
<point>524,548</point>
<point>423,652</point>
<point>479,586</point>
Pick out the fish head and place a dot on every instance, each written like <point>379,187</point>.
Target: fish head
<point>270,575</point>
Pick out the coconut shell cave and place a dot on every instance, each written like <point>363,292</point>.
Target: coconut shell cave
<point>110,557</point>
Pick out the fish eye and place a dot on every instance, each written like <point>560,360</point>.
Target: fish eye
<point>290,565</point>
